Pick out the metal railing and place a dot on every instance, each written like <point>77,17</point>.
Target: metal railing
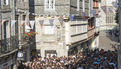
<point>8,45</point>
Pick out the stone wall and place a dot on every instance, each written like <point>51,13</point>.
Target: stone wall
<point>73,8</point>
<point>62,7</point>
<point>50,41</point>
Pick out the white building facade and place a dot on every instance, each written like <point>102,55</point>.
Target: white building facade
<point>108,10</point>
<point>51,38</point>
<point>59,36</point>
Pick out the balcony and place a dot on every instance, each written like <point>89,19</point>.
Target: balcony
<point>8,46</point>
<point>91,33</point>
<point>79,38</point>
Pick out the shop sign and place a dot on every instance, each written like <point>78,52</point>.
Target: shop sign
<point>20,56</point>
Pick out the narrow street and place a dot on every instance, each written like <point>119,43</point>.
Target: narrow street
<point>88,59</point>
<point>60,34</point>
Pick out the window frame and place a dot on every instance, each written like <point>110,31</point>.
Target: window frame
<point>48,5</point>
<point>48,30</point>
<point>6,2</point>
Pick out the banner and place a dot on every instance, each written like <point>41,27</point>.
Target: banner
<point>82,14</point>
<point>109,9</point>
<point>32,24</point>
<point>51,22</point>
<point>13,23</point>
<point>94,13</point>
<point>104,8</point>
<point>41,22</point>
<point>71,18</point>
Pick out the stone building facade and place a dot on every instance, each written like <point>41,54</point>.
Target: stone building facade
<point>52,7</point>
<point>57,37</point>
<point>12,39</point>
<point>84,26</point>
<point>26,44</point>
<point>8,41</point>
<point>51,38</point>
<point>79,35</point>
<point>79,6</point>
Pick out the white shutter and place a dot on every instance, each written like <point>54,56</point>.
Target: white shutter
<point>49,5</point>
<point>53,4</point>
<point>7,30</point>
<point>78,7</point>
<point>7,2</point>
<point>83,5</point>
<point>46,4</point>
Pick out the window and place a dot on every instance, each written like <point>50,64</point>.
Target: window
<point>6,35</point>
<point>5,2</point>
<point>49,4</point>
<point>48,30</point>
<point>5,30</point>
<point>109,19</point>
<point>13,27</point>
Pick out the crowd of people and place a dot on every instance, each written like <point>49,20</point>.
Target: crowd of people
<point>88,59</point>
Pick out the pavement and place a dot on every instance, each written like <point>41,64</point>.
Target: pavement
<point>106,40</point>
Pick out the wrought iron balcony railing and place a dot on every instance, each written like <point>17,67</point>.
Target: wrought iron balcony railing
<point>8,45</point>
